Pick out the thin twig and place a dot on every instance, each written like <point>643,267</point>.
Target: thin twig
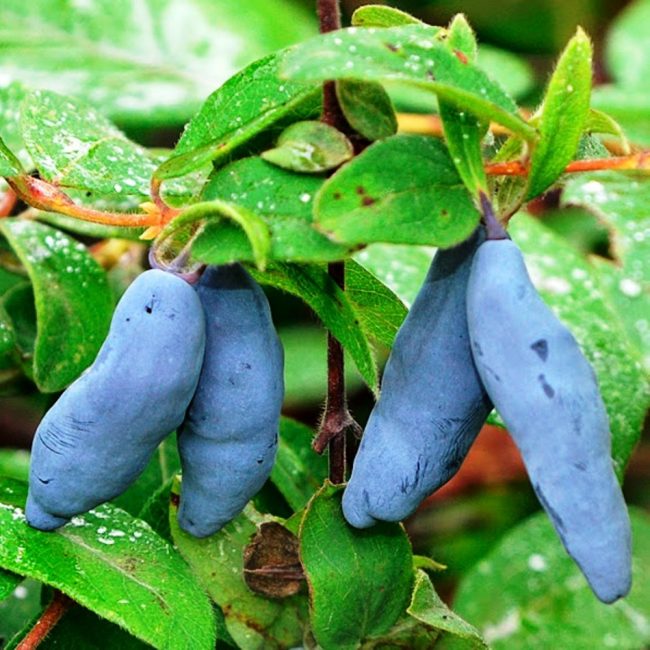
<point>58,606</point>
<point>634,162</point>
<point>337,420</point>
<point>42,195</point>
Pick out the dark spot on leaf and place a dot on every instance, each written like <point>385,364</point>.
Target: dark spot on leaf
<point>128,320</point>
<point>477,348</point>
<point>461,56</point>
<point>548,389</point>
<point>444,213</point>
<point>174,499</point>
<point>44,481</point>
<point>368,200</point>
<point>259,461</point>
<point>582,467</point>
<point>392,47</point>
<point>430,75</point>
<point>361,190</point>
<point>337,195</point>
<point>541,348</point>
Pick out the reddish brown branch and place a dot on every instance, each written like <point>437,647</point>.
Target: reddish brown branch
<point>46,623</point>
<point>48,197</point>
<point>638,161</point>
<point>8,200</point>
<point>337,420</point>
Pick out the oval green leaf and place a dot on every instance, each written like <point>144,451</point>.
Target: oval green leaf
<point>361,579</point>
<point>73,301</point>
<point>402,190</point>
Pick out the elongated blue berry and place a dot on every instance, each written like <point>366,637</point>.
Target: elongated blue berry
<point>548,396</point>
<point>97,438</point>
<point>432,403</point>
<point>229,440</point>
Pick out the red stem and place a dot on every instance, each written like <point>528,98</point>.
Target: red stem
<point>46,623</point>
<point>8,201</point>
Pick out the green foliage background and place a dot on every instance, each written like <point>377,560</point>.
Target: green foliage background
<point>100,96</point>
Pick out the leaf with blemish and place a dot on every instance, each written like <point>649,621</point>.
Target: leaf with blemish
<point>463,132</point>
<point>402,190</point>
<point>254,621</point>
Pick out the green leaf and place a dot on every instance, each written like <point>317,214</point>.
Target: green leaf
<point>313,285</point>
<point>401,268</point>
<point>11,99</point>
<point>74,145</point>
<point>173,246</point>
<point>145,586</point>
<point>381,312</point>
<point>305,367</point>
<point>527,593</point>
<point>461,38</point>
<point>414,54</point>
<point>9,164</point>
<point>73,301</point>
<point>628,46</point>
<point>249,103</point>
<point>382,16</point>
<point>428,608</point>
<point>367,108</point>
<point>298,471</point>
<point>254,622</point>
<point>463,132</point>
<point>403,190</point>
<point>310,147</point>
<point>14,463</point>
<point>18,305</point>
<point>283,199</point>
<point>621,203</point>
<point>155,511</point>
<point>148,64</point>
<point>568,283</point>
<point>629,107</point>
<point>359,578</point>
<point>599,122</point>
<point>563,114</point>
<point>7,338</point>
